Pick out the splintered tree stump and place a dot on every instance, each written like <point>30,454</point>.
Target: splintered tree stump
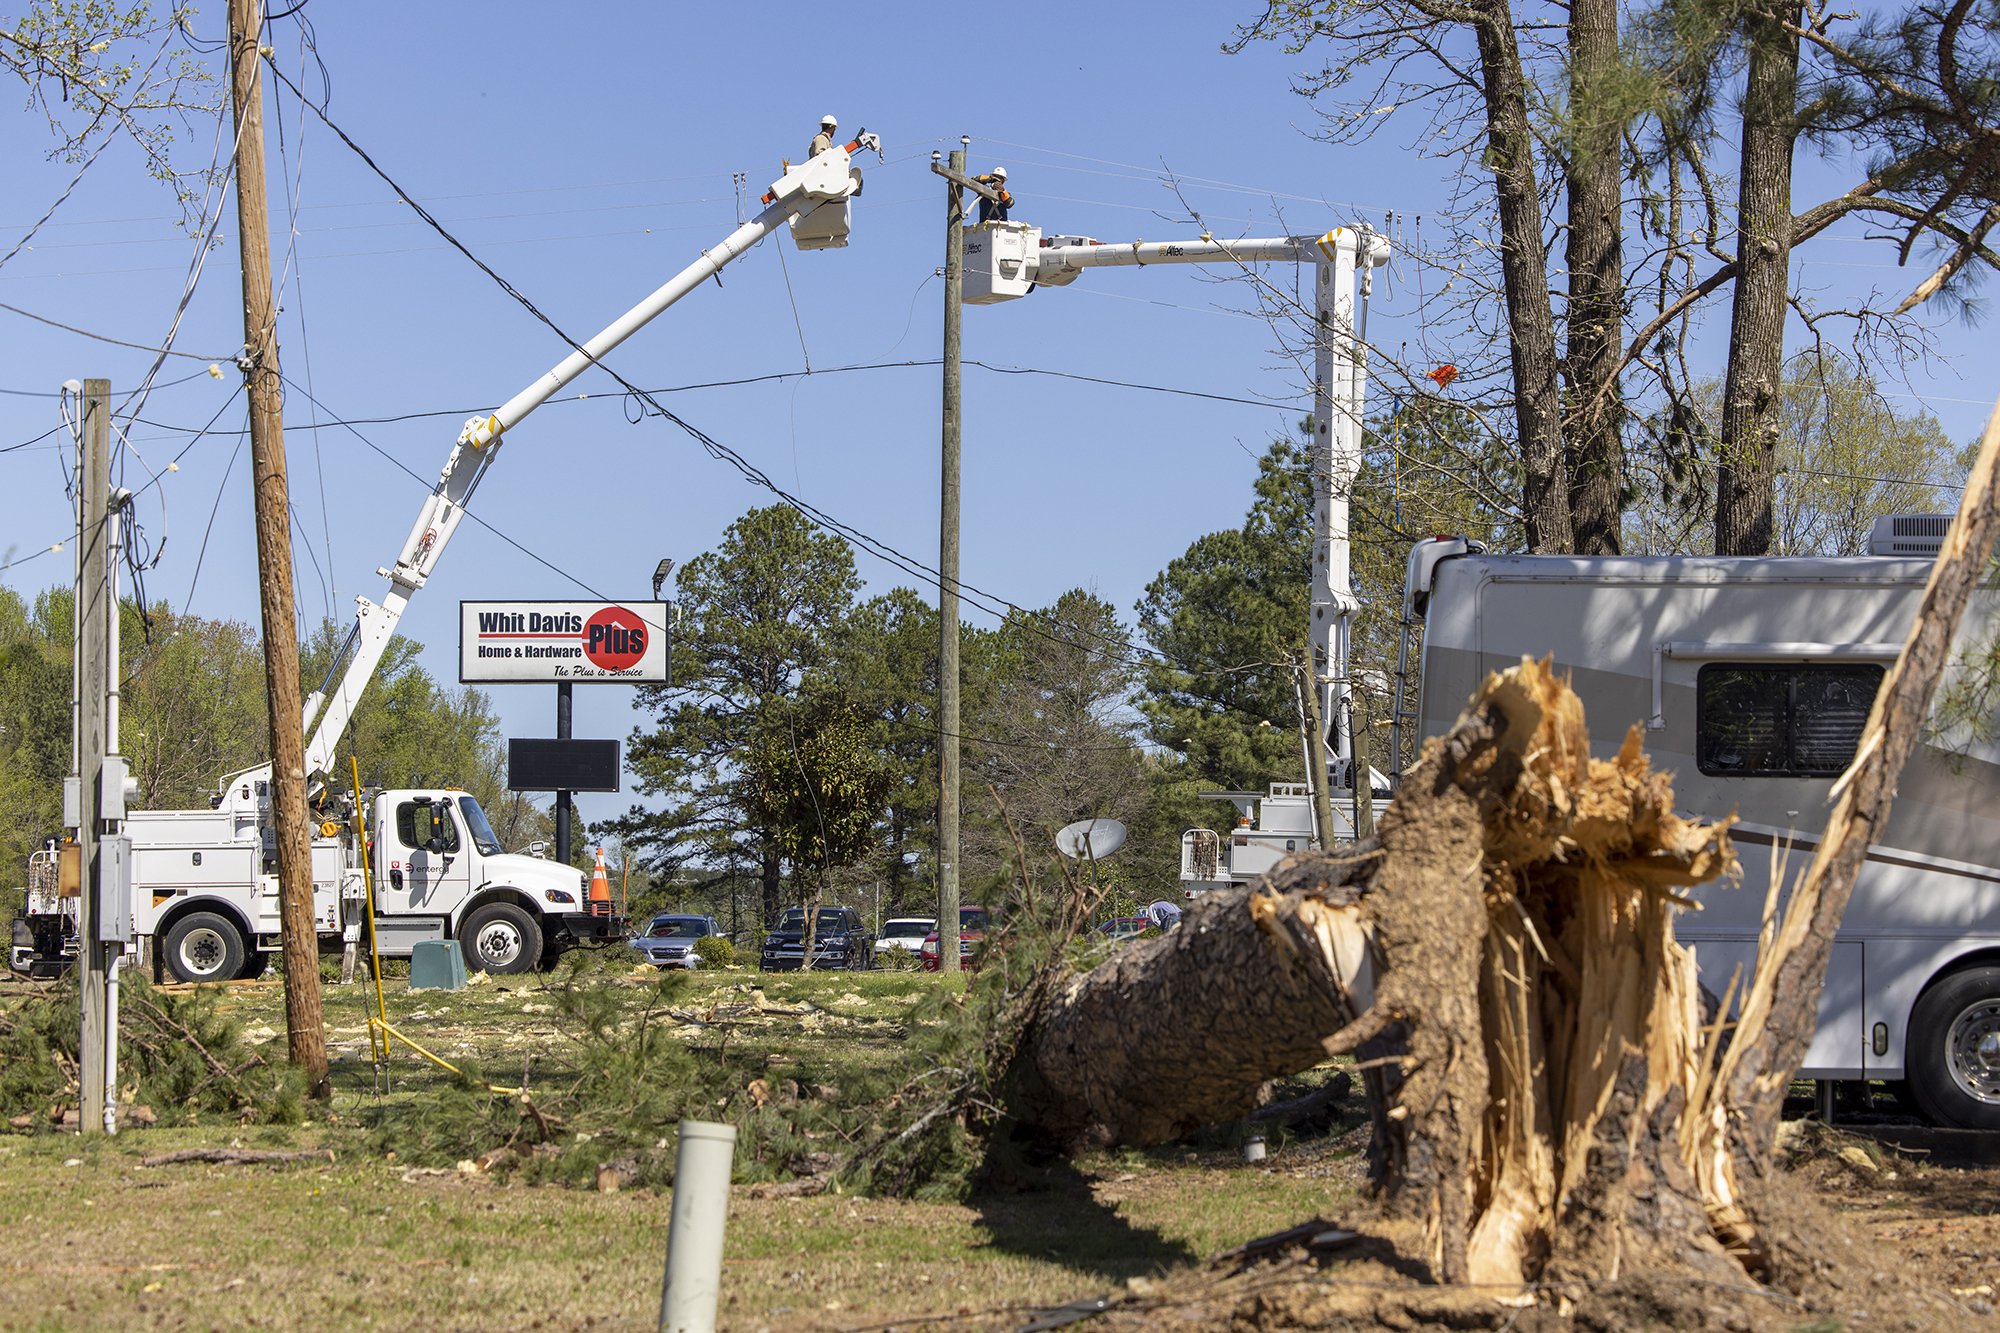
<point>1549,1107</point>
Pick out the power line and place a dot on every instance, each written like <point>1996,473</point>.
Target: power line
<point>458,413</point>
<point>102,337</point>
<point>985,600</point>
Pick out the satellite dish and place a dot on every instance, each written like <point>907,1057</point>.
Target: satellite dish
<point>1093,838</point>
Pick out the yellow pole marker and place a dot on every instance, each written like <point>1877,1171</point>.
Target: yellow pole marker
<point>378,1022</point>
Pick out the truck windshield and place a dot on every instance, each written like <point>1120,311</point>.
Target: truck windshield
<point>476,825</point>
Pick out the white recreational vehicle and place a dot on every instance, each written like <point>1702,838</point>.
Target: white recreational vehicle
<point>1753,678</point>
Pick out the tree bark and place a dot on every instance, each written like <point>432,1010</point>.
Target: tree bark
<point>772,880</point>
<point>1595,257</point>
<point>1747,452</point>
<point>1510,155</point>
<point>1506,946</point>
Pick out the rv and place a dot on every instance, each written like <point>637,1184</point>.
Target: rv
<point>1752,679</point>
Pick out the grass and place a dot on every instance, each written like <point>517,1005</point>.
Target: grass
<point>100,1241</point>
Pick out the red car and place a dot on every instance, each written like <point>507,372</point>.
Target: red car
<point>972,925</point>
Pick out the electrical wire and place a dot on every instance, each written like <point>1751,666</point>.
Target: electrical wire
<point>982,599</point>
<point>330,584</point>
<point>101,337</point>
<point>218,178</point>
<point>201,555</point>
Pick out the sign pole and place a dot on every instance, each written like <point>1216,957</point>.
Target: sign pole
<point>563,689</point>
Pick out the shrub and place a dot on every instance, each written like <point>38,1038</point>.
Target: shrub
<point>179,1053</point>
<point>715,951</point>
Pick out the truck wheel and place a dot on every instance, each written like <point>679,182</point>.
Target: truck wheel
<point>255,964</point>
<point>203,946</point>
<point>501,939</point>
<point>1954,1053</point>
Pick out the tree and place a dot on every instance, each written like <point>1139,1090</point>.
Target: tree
<point>1228,621</point>
<point>192,705</point>
<point>1465,61</point>
<point>1056,734</point>
<point>34,720</point>
<point>1844,458</point>
<point>1911,91</point>
<point>409,731</point>
<point>87,70</point>
<point>1746,461</point>
<point>764,610</point>
<point>1597,115</point>
<point>819,787</point>
<point>887,653</point>
<point>1920,84</point>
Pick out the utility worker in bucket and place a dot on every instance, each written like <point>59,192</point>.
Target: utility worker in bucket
<point>989,211</point>
<point>824,139</point>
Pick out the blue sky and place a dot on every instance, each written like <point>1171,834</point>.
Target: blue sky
<point>588,153</point>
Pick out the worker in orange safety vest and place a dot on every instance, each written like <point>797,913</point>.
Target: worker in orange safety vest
<point>989,210</point>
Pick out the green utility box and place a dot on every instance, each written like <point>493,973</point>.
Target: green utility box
<point>437,965</point>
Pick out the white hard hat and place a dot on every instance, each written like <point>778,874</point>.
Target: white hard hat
<point>1000,173</point>
<point>829,122</point>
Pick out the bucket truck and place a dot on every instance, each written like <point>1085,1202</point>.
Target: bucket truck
<point>204,883</point>
<point>1005,261</point>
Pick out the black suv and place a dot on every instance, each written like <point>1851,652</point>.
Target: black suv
<point>839,940</point>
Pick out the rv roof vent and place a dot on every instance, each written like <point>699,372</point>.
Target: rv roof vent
<point>1908,534</point>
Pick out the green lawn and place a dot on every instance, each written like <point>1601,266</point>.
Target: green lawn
<point>369,1240</point>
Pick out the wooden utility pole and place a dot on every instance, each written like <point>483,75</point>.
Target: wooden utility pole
<point>304,1023</point>
<point>96,659</point>
<point>954,272</point>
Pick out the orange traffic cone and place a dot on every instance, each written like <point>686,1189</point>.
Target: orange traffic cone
<point>600,888</point>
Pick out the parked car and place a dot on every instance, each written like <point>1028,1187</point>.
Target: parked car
<point>839,940</point>
<point>973,923</point>
<point>670,939</point>
<point>905,933</point>
<point>1121,927</point>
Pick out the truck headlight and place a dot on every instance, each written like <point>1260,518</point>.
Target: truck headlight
<point>558,896</point>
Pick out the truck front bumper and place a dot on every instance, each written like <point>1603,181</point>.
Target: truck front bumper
<point>582,926</point>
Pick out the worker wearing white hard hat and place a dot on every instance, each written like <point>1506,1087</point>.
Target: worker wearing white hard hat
<point>991,210</point>
<point>824,139</point>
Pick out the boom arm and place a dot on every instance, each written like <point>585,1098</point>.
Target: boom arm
<point>828,178</point>
<point>1340,397</point>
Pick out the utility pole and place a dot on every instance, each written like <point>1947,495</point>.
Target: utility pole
<point>98,780</point>
<point>305,1025</point>
<point>954,269</point>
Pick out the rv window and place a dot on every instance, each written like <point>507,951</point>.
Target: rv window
<point>1781,721</point>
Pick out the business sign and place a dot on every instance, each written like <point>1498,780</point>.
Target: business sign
<point>549,765</point>
<point>594,643</point>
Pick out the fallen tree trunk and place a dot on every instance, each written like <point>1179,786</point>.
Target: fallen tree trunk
<point>1509,935</point>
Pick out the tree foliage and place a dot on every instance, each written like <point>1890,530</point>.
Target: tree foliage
<point>761,615</point>
<point>95,69</point>
<point>1227,620</point>
<point>1633,114</point>
<point>192,710</point>
<point>1056,735</point>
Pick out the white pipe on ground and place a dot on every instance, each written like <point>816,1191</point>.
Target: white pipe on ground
<point>702,1167</point>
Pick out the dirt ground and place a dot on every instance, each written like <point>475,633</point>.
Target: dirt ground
<point>1901,1237</point>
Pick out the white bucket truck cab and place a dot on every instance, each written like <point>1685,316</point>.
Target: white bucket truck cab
<point>1752,678</point>
<point>204,883</point>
